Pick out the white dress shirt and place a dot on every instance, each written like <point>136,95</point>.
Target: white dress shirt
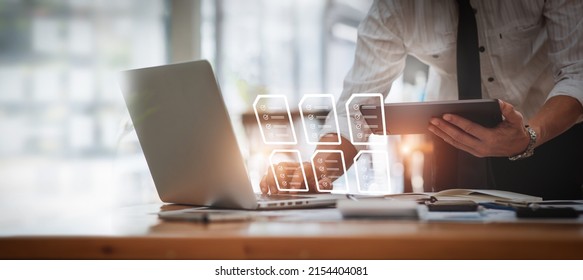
<point>532,50</point>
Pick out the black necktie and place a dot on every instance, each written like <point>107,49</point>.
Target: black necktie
<point>471,171</point>
<point>468,59</point>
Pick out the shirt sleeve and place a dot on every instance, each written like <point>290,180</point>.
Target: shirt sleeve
<point>565,32</point>
<point>379,60</point>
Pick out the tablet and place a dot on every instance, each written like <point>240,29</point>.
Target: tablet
<point>414,117</point>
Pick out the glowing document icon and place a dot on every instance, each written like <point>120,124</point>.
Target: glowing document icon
<point>288,172</point>
<point>314,110</point>
<point>369,180</point>
<point>358,127</point>
<point>328,165</point>
<point>274,120</point>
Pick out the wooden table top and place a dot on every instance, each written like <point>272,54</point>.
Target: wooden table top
<point>137,233</point>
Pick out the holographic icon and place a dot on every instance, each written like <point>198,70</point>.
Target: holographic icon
<point>320,111</point>
<point>372,180</point>
<point>289,164</point>
<point>273,113</point>
<point>358,127</point>
<point>328,167</point>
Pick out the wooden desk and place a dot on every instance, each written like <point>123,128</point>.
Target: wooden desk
<point>136,233</point>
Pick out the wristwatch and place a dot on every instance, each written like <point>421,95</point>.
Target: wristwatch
<point>530,148</point>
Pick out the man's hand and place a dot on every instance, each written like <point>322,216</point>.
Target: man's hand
<point>509,138</point>
<point>290,178</point>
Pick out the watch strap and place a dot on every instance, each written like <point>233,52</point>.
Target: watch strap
<point>530,148</point>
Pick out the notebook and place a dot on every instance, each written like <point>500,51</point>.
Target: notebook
<point>476,195</point>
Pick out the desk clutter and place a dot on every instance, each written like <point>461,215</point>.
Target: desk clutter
<point>455,205</point>
<point>465,205</point>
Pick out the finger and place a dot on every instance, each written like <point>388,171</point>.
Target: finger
<point>448,139</point>
<point>268,181</point>
<point>456,133</point>
<point>510,114</point>
<point>469,127</point>
<point>271,179</point>
<point>263,185</point>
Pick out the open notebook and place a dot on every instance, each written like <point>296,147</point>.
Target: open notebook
<point>470,194</point>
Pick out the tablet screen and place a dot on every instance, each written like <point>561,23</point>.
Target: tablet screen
<point>414,117</point>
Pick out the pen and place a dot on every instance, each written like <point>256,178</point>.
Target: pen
<point>498,206</point>
<point>427,200</point>
<point>511,203</point>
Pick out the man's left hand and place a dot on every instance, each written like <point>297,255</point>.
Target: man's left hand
<point>506,139</point>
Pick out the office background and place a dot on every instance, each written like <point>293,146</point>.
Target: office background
<point>65,136</point>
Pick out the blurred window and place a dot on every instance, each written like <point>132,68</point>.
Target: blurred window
<point>61,110</point>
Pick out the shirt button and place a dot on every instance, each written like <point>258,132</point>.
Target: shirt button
<point>482,49</point>
<point>491,79</point>
<point>435,56</point>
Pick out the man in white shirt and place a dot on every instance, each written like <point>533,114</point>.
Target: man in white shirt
<point>530,58</point>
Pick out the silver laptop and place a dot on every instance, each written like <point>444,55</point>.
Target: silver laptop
<point>188,141</point>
